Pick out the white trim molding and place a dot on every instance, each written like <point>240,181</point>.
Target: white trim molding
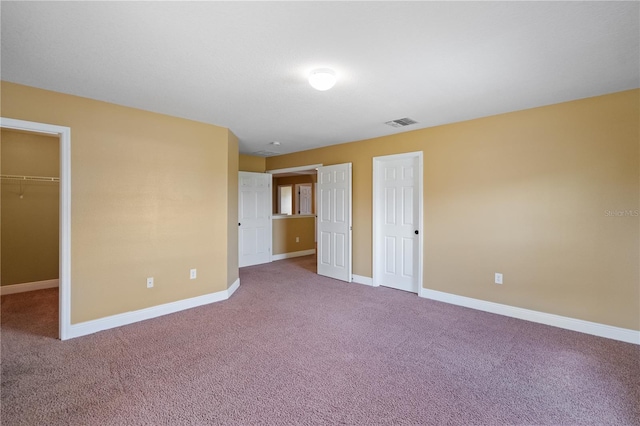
<point>360,279</point>
<point>294,169</point>
<point>233,287</point>
<point>113,321</point>
<point>22,287</point>
<point>593,328</point>
<point>293,254</point>
<point>64,135</point>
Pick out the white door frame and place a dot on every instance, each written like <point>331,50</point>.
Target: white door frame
<point>64,134</point>
<point>315,211</point>
<point>294,169</point>
<point>378,215</point>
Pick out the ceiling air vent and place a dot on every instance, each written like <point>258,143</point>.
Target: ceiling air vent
<point>265,153</point>
<point>401,122</point>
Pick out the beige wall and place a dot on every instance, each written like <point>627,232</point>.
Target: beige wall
<point>148,199</point>
<point>287,229</point>
<point>29,225</point>
<point>251,163</point>
<point>534,194</point>
<point>531,194</point>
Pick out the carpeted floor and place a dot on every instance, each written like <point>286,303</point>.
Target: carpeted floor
<point>291,347</point>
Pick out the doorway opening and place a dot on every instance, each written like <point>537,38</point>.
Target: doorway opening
<point>63,134</point>
<point>331,220</point>
<point>294,219</point>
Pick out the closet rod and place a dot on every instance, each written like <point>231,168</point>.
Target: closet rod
<point>30,178</point>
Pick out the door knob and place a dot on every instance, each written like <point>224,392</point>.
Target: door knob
<point>416,231</point>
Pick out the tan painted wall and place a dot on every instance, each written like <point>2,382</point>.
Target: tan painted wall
<point>29,224</point>
<point>232,208</point>
<point>286,230</point>
<point>148,199</point>
<point>251,163</point>
<point>532,194</point>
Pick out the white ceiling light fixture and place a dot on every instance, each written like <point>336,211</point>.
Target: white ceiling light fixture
<point>322,79</point>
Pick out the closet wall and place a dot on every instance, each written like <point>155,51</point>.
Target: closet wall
<point>29,212</point>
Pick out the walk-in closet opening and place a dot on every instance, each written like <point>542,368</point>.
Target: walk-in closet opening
<point>29,216</point>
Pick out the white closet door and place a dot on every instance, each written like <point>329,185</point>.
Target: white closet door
<point>397,225</point>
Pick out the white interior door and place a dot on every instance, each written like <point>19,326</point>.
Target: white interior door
<point>397,221</point>
<point>254,218</point>
<point>304,198</point>
<point>334,221</point>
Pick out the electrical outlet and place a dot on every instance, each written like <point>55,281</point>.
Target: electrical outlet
<point>498,278</point>
<point>297,239</point>
<point>193,273</point>
<point>149,282</point>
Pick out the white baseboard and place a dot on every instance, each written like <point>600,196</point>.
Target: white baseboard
<point>362,280</point>
<point>36,285</point>
<point>293,254</point>
<point>233,287</point>
<point>594,328</point>
<point>93,326</point>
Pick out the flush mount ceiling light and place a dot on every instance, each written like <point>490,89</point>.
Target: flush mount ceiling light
<point>322,79</point>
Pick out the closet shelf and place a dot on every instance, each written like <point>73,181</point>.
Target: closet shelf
<point>29,178</point>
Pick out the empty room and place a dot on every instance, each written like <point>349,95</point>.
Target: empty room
<point>296,213</point>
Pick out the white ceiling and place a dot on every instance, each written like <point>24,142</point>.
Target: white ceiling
<point>243,65</point>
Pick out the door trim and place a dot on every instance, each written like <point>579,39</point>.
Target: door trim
<point>294,169</point>
<point>377,215</point>
<point>64,135</point>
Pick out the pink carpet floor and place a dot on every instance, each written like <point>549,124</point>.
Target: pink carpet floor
<point>291,347</point>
